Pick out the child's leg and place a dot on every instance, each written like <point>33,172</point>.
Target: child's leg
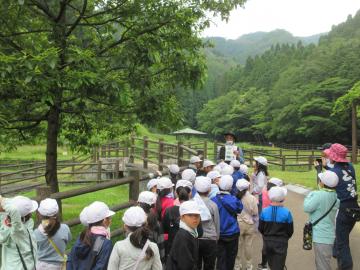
<point>323,256</point>
<point>221,255</point>
<point>208,254</point>
<point>231,251</point>
<point>241,245</point>
<point>248,241</point>
<point>276,254</point>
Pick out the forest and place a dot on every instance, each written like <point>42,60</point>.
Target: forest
<point>289,93</point>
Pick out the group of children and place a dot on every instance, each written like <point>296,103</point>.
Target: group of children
<point>204,217</point>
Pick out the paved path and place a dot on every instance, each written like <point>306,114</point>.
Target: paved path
<point>297,258</point>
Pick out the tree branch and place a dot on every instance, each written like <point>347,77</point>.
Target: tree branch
<point>144,31</point>
<point>77,21</point>
<point>44,8</point>
<point>25,33</point>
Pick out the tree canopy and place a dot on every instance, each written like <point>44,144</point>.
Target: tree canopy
<point>74,68</point>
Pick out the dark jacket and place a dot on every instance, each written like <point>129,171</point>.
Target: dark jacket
<point>184,252</point>
<point>81,255</point>
<point>276,223</point>
<point>346,188</point>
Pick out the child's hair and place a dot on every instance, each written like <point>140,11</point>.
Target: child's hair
<point>241,194</point>
<point>161,194</point>
<point>269,185</point>
<point>152,221</point>
<point>26,218</point>
<point>183,193</point>
<point>138,239</point>
<point>246,177</point>
<point>203,193</point>
<point>261,168</point>
<point>85,236</point>
<point>52,229</point>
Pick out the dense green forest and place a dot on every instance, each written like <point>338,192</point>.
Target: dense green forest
<point>223,55</point>
<point>288,93</point>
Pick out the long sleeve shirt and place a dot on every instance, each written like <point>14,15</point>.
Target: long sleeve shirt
<point>17,234</point>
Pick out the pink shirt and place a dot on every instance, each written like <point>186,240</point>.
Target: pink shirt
<point>265,198</point>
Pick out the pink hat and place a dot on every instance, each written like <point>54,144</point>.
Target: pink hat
<point>338,153</point>
<point>327,152</point>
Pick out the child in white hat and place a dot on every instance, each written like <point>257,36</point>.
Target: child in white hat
<point>146,201</point>
<point>247,219</point>
<point>316,204</point>
<point>184,251</point>
<point>215,178</point>
<point>165,196</point>
<point>152,185</point>
<point>211,227</point>
<point>16,233</point>
<point>259,177</point>
<point>229,207</point>
<point>51,236</point>
<point>93,247</point>
<point>276,226</point>
<point>136,251</point>
<point>171,220</point>
<point>174,172</point>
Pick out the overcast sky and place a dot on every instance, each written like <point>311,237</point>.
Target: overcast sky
<point>300,17</point>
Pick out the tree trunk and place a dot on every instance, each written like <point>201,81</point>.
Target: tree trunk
<point>354,133</point>
<point>51,149</point>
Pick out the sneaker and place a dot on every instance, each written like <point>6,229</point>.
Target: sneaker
<point>262,267</point>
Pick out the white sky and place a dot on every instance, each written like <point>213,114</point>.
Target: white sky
<point>299,17</point>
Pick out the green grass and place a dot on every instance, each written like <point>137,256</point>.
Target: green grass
<point>34,152</point>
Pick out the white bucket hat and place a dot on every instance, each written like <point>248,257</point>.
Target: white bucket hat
<point>244,169</point>
<point>189,207</point>
<point>184,183</point>
<point>227,170</point>
<point>174,169</point>
<point>189,175</point>
<point>95,212</point>
<point>24,205</point>
<point>48,207</point>
<point>208,163</point>
<point>203,184</point>
<point>277,194</point>
<point>329,178</point>
<point>235,163</point>
<point>164,183</point>
<point>147,197</point>
<point>242,184</point>
<point>261,160</point>
<point>276,181</point>
<point>226,182</point>
<point>152,183</point>
<point>134,217</point>
<point>213,174</point>
<point>195,159</point>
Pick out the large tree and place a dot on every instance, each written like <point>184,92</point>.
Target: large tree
<point>77,67</point>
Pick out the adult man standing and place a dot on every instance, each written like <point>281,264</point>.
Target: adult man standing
<point>230,151</point>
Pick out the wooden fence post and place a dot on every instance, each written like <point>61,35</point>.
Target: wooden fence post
<point>134,185</point>
<point>215,151</point>
<point>73,165</point>
<point>117,169</point>
<point>297,155</point>
<point>99,169</point>
<point>280,152</point>
<point>310,162</point>
<point>145,153</point>
<point>132,150</point>
<point>161,157</point>
<point>94,153</point>
<point>180,153</point>
<point>283,163</point>
<point>97,153</point>
<point>103,153</point>
<point>251,157</point>
<point>205,150</point>
<point>117,145</point>
<point>109,146</point>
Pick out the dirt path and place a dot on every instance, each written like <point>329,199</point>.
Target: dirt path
<point>299,259</point>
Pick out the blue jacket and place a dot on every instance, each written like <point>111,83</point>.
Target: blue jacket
<point>81,254</point>
<point>228,221</point>
<point>276,223</point>
<point>236,176</point>
<point>346,188</point>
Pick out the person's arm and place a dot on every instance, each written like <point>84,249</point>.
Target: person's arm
<point>217,220</point>
<point>103,257</point>
<point>165,223</point>
<point>17,226</point>
<point>290,227</point>
<point>157,262</point>
<point>311,202</point>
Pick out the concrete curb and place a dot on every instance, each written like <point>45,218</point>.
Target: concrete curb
<point>298,189</point>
